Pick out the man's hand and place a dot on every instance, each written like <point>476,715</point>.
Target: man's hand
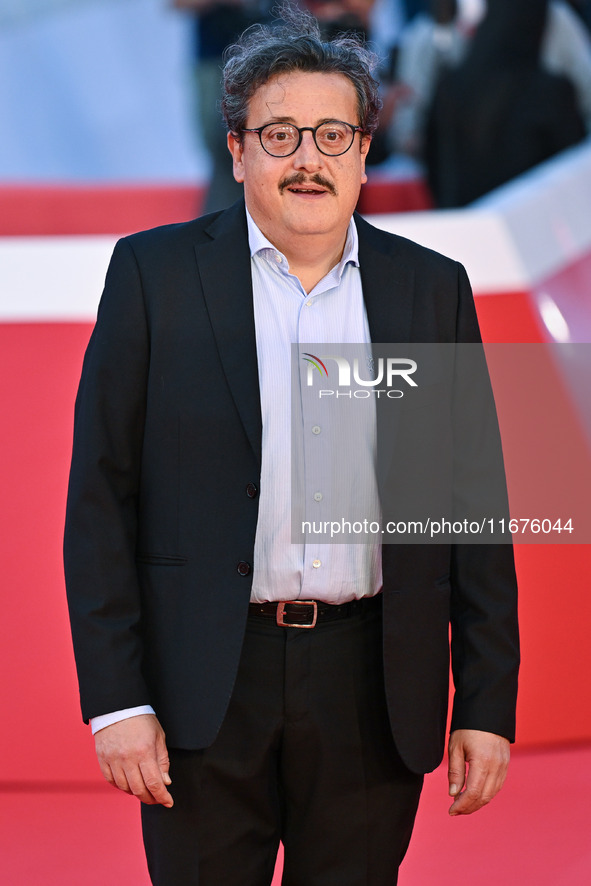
<point>487,756</point>
<point>133,757</point>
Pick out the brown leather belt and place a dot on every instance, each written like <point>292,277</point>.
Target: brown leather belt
<point>307,613</point>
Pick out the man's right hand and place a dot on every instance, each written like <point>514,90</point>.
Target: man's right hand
<point>133,757</point>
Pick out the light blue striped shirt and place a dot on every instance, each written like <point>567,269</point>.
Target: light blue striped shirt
<point>333,312</point>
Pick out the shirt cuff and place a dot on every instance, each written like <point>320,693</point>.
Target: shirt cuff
<point>105,720</point>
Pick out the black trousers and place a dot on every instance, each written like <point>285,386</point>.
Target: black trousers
<point>305,755</point>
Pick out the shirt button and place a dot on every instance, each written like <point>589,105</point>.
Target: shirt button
<point>317,496</point>
<point>243,567</point>
<point>309,304</point>
<point>316,429</point>
<point>316,564</point>
<point>278,258</point>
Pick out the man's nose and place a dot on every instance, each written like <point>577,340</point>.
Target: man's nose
<point>307,155</point>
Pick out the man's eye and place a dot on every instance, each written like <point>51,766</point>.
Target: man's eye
<point>333,135</point>
<point>280,135</point>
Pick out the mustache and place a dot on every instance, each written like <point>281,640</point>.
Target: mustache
<point>300,179</point>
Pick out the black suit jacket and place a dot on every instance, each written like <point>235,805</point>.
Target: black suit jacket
<point>162,504</point>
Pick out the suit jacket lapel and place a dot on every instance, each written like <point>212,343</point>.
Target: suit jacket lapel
<point>224,268</point>
<point>388,285</point>
<point>388,292</point>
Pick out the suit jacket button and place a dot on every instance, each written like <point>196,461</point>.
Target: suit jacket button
<point>251,490</point>
<point>243,568</point>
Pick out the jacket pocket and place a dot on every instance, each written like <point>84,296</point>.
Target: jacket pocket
<point>161,559</point>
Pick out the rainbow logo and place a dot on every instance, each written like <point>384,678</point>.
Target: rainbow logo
<point>316,363</point>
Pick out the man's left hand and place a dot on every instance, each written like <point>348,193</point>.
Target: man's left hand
<point>487,756</point>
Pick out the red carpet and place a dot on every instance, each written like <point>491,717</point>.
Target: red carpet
<point>536,833</point>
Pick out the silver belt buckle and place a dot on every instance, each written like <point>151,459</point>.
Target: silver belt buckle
<point>281,613</point>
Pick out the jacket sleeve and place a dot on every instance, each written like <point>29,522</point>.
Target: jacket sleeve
<point>484,628</point>
<point>102,507</point>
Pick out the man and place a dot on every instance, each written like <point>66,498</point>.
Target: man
<point>179,560</point>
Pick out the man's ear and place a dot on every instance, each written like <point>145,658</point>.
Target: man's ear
<point>364,148</point>
<point>236,147</point>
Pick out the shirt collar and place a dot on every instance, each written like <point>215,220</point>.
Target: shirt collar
<point>258,242</point>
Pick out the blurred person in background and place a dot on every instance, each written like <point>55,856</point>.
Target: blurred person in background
<point>341,16</point>
<point>499,113</point>
<point>217,24</point>
<point>430,43</point>
<point>583,10</point>
<point>566,49</point>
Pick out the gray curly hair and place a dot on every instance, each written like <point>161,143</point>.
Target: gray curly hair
<point>295,44</point>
